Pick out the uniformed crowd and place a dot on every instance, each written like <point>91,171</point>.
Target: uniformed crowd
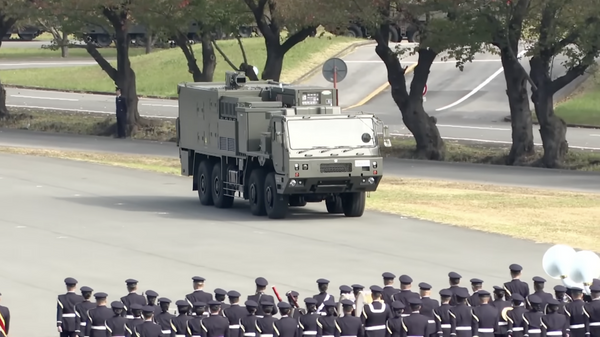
<point>389,312</point>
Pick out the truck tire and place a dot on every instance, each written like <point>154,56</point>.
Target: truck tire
<point>394,35</point>
<point>412,35</point>
<point>297,201</point>
<point>204,183</point>
<point>354,204</point>
<point>26,37</point>
<point>218,196</point>
<point>354,31</point>
<point>256,191</point>
<point>276,204</point>
<point>334,205</point>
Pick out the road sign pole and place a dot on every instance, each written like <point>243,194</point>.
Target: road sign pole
<point>337,102</point>
<point>334,71</point>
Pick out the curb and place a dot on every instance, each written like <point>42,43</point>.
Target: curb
<point>304,77</point>
<point>580,126</point>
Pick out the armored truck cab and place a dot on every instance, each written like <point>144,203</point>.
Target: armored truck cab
<point>277,146</point>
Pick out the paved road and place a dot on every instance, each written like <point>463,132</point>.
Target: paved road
<point>103,225</point>
<point>492,174</point>
<point>17,64</point>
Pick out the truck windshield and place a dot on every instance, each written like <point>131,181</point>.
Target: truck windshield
<point>330,133</point>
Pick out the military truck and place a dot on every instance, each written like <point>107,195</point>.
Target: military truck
<point>276,146</point>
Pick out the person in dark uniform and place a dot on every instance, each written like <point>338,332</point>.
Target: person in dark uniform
<point>476,286</point>
<point>264,324</point>
<point>514,317</point>
<point>248,322</point>
<point>454,281</point>
<point>388,287</point>
<point>461,316</point>
<point>286,326</point>
<point>326,321</point>
<point>533,318</point>
<point>357,288</point>
<point>121,112</point>
<point>66,319</point>
<point>221,295</point>
<point>234,312</point>
<point>308,322</point>
<point>442,314</point>
<point>260,296</point>
<point>215,325</point>
<point>136,311</point>
<point>394,325</point>
<point>416,324</point>
<point>538,290</point>
<point>81,309</point>
<point>199,295</point>
<point>179,324</point>
<point>428,304</point>
<point>516,286</point>
<point>405,293</point>
<point>5,318</point>
<point>296,312</point>
<point>199,310</point>
<point>151,301</point>
<point>117,324</point>
<point>578,317</point>
<point>194,325</point>
<point>148,328</point>
<point>485,315</point>
<point>560,293</point>
<point>593,310</point>
<point>98,316</point>
<point>132,298</point>
<point>349,325</point>
<point>323,296</point>
<point>345,290</point>
<point>375,314</point>
<point>164,317</point>
<point>502,306</point>
<point>555,324</point>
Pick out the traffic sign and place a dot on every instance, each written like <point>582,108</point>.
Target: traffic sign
<point>425,90</point>
<point>335,70</point>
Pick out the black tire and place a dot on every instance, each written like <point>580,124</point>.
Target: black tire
<point>204,183</point>
<point>394,35</point>
<point>256,192</point>
<point>219,198</point>
<point>103,41</point>
<point>354,204</point>
<point>297,201</point>
<point>334,205</point>
<point>27,37</point>
<point>276,204</point>
<point>354,31</point>
<point>412,35</point>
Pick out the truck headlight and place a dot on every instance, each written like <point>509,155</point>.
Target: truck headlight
<point>371,180</point>
<point>293,182</point>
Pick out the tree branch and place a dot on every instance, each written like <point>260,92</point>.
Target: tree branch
<point>102,62</point>
<point>224,56</point>
<point>574,71</point>
<point>298,37</point>
<point>239,40</point>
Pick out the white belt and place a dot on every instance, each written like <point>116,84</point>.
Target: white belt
<point>179,335</point>
<point>165,331</point>
<point>430,321</point>
<point>577,326</point>
<point>69,315</point>
<point>249,334</point>
<point>309,333</point>
<point>347,336</point>
<point>82,324</point>
<point>266,335</point>
<point>234,326</point>
<point>260,316</point>
<point>485,329</point>
<point>405,315</point>
<point>374,327</point>
<point>98,327</point>
<point>554,333</point>
<point>594,323</point>
<point>414,336</point>
<point>327,335</point>
<point>535,331</point>
<point>502,323</point>
<point>195,335</point>
<point>118,336</point>
<point>445,326</point>
<point>518,328</point>
<point>129,316</point>
<point>463,328</point>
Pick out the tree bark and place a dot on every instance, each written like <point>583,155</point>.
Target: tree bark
<point>209,59</point>
<point>274,63</point>
<point>3,108</point>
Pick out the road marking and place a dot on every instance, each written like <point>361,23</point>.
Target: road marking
<point>165,105</point>
<point>50,98</point>
<point>479,87</point>
<point>81,110</point>
<point>593,135</point>
<point>42,64</point>
<point>434,62</point>
<point>474,127</point>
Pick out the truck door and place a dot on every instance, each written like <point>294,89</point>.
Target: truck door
<point>277,147</point>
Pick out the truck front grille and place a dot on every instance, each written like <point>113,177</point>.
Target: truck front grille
<point>336,168</point>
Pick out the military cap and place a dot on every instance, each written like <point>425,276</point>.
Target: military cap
<point>164,300</point>
<point>70,280</point>
<point>518,297</point>
<point>100,295</point>
<point>553,301</point>
<point>199,304</point>
<point>220,291</point>
<point>358,286</point>
<point>261,282</point>
<point>405,279</point>
<point>151,293</point>
<point>414,301</point>
<point>595,288</point>
<point>483,293</point>
<point>214,303</point>
<point>462,293</point>
<point>117,305</point>
<point>453,274</point>
<point>397,305</point>
<point>322,281</point>
<point>575,289</point>
<point>534,299</point>
<point>147,309</point>
<point>182,303</point>
<point>251,304</point>
<point>476,281</point>
<point>136,306</point>
<point>539,279</point>
<point>294,293</point>
<point>86,289</point>
<point>560,289</point>
<point>347,303</point>
<point>424,286</point>
<point>515,267</point>
<point>498,288</point>
<point>266,303</point>
<point>445,293</point>
<point>376,289</point>
<point>329,303</point>
<point>284,305</point>
<point>388,275</point>
<point>131,281</point>
<point>233,293</point>
<point>345,289</point>
<point>198,279</point>
<point>310,300</point>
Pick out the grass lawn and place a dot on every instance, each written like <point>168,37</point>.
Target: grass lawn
<point>159,73</point>
<point>583,107</point>
<point>23,54</point>
<point>570,218</point>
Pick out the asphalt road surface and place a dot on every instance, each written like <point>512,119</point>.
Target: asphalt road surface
<point>103,225</point>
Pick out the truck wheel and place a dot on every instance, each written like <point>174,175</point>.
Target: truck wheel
<point>204,183</point>
<point>219,198</point>
<point>256,191</point>
<point>354,204</point>
<point>413,36</point>
<point>27,37</point>
<point>334,205</point>
<point>354,31</point>
<point>102,40</point>
<point>297,201</point>
<point>275,204</point>
<point>394,35</point>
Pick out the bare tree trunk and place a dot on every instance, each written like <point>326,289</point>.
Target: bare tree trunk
<point>209,59</point>
<point>3,108</point>
<point>183,43</point>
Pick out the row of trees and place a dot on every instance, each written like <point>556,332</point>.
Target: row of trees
<point>547,28</point>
